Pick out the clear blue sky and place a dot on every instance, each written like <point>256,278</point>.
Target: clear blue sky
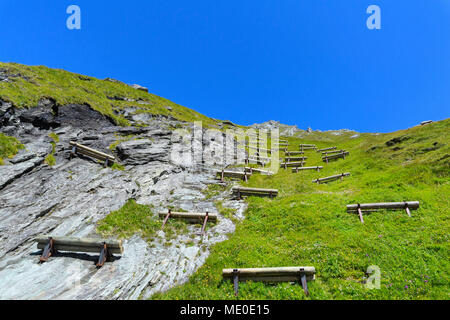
<point>305,62</point>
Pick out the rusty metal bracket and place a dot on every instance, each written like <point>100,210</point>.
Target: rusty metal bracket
<point>105,256</point>
<point>48,251</point>
<point>407,209</point>
<point>166,218</point>
<point>73,152</point>
<point>204,223</point>
<point>236,281</point>
<point>303,281</point>
<point>360,213</point>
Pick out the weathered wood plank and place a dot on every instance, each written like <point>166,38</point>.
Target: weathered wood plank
<point>271,274</point>
<point>325,149</point>
<point>255,190</point>
<point>80,244</point>
<point>290,159</point>
<point>297,169</point>
<point>251,170</point>
<point>241,191</point>
<point>333,152</point>
<point>292,164</point>
<point>330,178</point>
<point>234,174</point>
<point>192,216</point>
<point>83,148</point>
<point>290,153</point>
<point>412,205</point>
<point>335,156</point>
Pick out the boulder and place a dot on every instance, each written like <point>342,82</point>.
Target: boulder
<point>138,87</point>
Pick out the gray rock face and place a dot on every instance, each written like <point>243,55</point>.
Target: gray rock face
<point>70,198</point>
<point>138,87</point>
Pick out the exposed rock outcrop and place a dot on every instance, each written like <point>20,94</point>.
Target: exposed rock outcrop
<point>72,196</point>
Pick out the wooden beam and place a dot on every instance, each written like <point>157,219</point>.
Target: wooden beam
<point>92,151</point>
<point>234,174</point>
<point>289,159</point>
<point>297,169</point>
<point>80,244</point>
<point>325,149</point>
<point>335,177</point>
<point>251,170</point>
<point>191,216</point>
<point>336,156</point>
<point>241,191</point>
<point>265,273</point>
<point>292,164</point>
<point>412,205</point>
<point>289,153</point>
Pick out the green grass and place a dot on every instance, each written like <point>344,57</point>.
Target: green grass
<point>134,218</point>
<point>9,146</point>
<point>50,158</point>
<point>307,224</point>
<point>32,83</point>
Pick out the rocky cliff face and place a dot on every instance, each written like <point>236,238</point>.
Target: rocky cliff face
<point>70,197</point>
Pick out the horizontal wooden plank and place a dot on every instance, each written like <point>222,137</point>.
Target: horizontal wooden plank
<point>243,189</point>
<point>326,149</point>
<point>80,146</point>
<point>307,168</point>
<point>290,159</point>
<point>289,153</point>
<point>60,247</point>
<point>333,152</point>
<point>261,274</point>
<point>413,205</point>
<point>234,174</point>
<point>81,243</point>
<point>268,172</point>
<point>332,177</point>
<point>292,164</point>
<point>194,216</point>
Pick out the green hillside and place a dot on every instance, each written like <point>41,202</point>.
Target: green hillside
<point>28,84</point>
<point>307,224</point>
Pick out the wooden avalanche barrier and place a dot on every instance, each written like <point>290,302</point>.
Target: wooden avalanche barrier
<point>192,217</point>
<point>360,207</point>
<point>331,178</point>
<point>241,191</point>
<point>326,153</point>
<point>51,245</point>
<point>251,170</point>
<point>297,169</point>
<point>260,149</point>
<point>233,174</point>
<point>280,274</point>
<point>290,159</point>
<point>79,148</point>
<point>335,156</point>
<point>307,147</point>
<point>292,164</point>
<point>293,153</point>
<point>326,149</point>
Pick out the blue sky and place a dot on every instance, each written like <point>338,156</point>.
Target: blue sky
<point>305,62</point>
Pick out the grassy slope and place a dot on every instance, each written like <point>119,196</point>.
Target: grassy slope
<point>32,83</point>
<point>307,225</point>
<point>9,146</point>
